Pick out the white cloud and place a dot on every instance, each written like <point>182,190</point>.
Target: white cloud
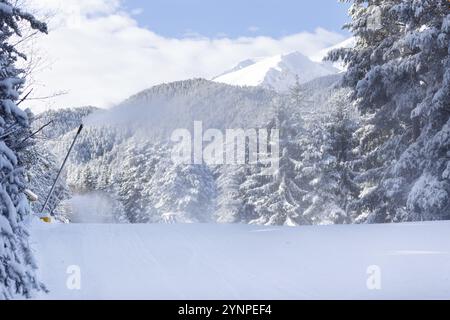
<point>101,56</point>
<point>253,29</point>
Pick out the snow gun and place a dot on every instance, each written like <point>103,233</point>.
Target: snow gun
<point>47,217</point>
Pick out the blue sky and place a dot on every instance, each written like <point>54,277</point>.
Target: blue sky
<point>234,18</point>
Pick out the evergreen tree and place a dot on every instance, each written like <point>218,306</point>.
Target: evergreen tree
<point>400,75</point>
<point>229,201</point>
<point>184,194</point>
<point>17,266</point>
<point>300,97</point>
<point>276,199</point>
<point>325,169</point>
<point>296,92</point>
<point>41,169</point>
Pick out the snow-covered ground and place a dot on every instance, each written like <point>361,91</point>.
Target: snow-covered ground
<point>244,262</point>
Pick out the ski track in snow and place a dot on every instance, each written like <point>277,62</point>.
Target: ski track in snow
<point>202,261</point>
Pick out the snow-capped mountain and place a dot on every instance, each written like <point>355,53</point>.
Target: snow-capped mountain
<point>279,73</point>
<point>241,65</point>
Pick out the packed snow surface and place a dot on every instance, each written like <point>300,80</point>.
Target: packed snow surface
<point>202,261</point>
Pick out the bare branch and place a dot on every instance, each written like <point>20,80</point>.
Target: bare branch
<point>56,94</point>
<point>24,98</point>
<point>34,133</point>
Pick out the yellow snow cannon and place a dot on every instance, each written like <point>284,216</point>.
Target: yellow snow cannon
<point>46,219</point>
<point>32,197</point>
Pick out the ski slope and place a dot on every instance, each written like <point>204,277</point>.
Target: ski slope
<point>244,262</point>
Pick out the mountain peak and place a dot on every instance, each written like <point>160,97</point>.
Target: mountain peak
<point>278,73</point>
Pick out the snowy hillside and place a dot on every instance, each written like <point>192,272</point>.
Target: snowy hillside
<point>123,153</point>
<point>123,156</point>
<point>278,73</point>
<point>204,261</point>
<point>166,107</point>
<point>61,121</point>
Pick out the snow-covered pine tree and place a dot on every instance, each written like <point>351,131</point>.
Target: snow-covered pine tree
<point>17,267</point>
<point>41,167</point>
<point>400,75</point>
<point>125,174</point>
<point>296,92</point>
<point>301,99</point>
<point>229,201</point>
<point>341,147</point>
<point>276,199</point>
<point>184,194</point>
<point>327,152</point>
